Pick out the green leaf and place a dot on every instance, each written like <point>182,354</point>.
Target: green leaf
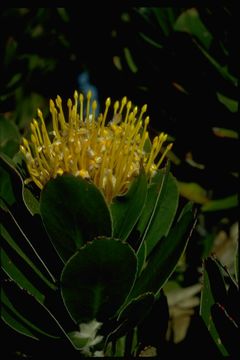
<point>12,187</point>
<point>30,201</point>
<point>132,314</point>
<point>150,41</point>
<point>218,288</point>
<point>165,17</point>
<point>126,209</point>
<point>97,279</point>
<point>11,183</point>
<point>15,320</point>
<point>220,306</point>
<point>116,348</point>
<point>28,103</point>
<point>190,22</point>
<point>225,133</point>
<point>137,309</point>
<point>10,51</point>
<point>193,192</point>
<point>228,330</point>
<point>32,241</point>
<point>63,14</point>
<point>24,314</point>
<point>74,211</point>
<point>142,255</point>
<point>130,61</point>
<point>20,166</point>
<point>156,318</point>
<point>223,70</point>
<point>26,272</point>
<point>163,260</point>
<point>221,204</point>
<point>153,193</point>
<point>231,104</point>
<point>78,341</point>
<point>160,208</point>
<point>16,217</point>
<point>9,136</point>
<point>236,263</point>
<point>6,191</point>
<point>11,147</point>
<point>14,273</point>
<point>213,287</point>
<point>14,81</point>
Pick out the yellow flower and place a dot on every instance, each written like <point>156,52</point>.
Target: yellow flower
<point>108,153</point>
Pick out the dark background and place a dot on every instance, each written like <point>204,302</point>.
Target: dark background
<point>181,61</point>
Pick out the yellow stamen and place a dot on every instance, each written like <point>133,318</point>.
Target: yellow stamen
<point>123,103</point>
<point>129,105</point>
<point>116,106</point>
<point>110,153</point>
<point>107,105</point>
<point>94,107</point>
<point>89,95</point>
<point>143,110</point>
<point>61,114</point>
<point>46,139</point>
<point>81,98</point>
<point>168,148</point>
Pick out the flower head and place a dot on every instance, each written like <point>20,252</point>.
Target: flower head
<point>110,153</point>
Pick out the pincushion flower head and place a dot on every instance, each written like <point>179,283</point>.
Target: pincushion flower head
<point>107,149</point>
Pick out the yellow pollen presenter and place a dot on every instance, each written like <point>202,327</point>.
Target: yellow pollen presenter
<point>108,149</point>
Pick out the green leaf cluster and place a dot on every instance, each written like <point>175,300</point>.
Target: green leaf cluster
<point>220,306</point>
<point>69,258</point>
